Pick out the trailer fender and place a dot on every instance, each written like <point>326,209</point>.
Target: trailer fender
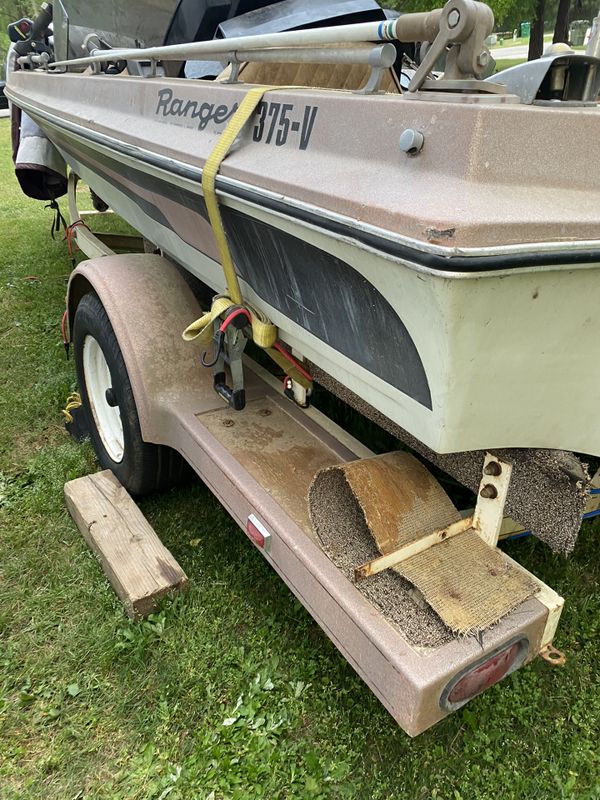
<point>149,305</point>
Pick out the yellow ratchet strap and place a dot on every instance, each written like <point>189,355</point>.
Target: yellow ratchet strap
<point>73,402</point>
<point>264,333</point>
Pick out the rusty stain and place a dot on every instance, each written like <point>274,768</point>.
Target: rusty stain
<point>228,423</point>
<point>278,452</point>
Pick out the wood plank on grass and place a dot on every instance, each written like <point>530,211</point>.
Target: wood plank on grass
<point>135,561</point>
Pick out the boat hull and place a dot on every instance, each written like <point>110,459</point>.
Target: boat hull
<point>461,356</point>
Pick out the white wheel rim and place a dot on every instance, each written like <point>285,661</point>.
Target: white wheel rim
<point>97,381</point>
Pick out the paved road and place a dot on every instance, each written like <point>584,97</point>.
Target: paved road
<point>519,51</point>
<point>4,112</point>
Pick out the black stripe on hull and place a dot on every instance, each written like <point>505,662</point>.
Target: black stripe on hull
<point>319,292</point>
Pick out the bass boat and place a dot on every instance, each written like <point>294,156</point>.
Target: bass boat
<point>423,242</point>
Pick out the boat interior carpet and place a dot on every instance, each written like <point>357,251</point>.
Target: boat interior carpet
<point>548,488</point>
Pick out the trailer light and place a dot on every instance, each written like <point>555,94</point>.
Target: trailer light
<point>485,673</point>
<point>258,534</point>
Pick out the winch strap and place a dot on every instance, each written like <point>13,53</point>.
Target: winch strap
<point>245,110</point>
<point>264,333</point>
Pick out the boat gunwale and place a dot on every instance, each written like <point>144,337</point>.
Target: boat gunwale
<point>433,260</point>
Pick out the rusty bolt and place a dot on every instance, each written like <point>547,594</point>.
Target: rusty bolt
<point>228,423</point>
<point>489,492</point>
<point>493,468</point>
<point>265,412</point>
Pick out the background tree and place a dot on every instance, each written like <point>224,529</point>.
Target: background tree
<point>536,34</point>
<point>11,10</point>
<point>509,14</point>
<point>561,27</point>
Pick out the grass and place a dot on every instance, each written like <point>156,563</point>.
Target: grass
<point>505,63</point>
<point>231,691</point>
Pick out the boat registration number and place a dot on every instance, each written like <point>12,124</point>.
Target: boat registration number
<point>277,124</point>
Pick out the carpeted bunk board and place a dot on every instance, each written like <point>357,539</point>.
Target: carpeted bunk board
<point>548,488</point>
<point>374,506</point>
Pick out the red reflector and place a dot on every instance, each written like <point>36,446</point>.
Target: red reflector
<point>485,674</point>
<point>258,533</point>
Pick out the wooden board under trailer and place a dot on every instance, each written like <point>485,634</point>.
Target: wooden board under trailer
<point>139,567</point>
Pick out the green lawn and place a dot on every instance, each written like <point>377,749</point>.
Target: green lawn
<point>94,706</point>
<point>505,63</point>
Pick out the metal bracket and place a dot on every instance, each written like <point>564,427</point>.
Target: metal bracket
<point>493,490</point>
<point>463,26</point>
<point>234,66</point>
<point>552,656</point>
<point>373,85</point>
<point>486,521</point>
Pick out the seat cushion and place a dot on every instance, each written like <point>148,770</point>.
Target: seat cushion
<point>320,76</point>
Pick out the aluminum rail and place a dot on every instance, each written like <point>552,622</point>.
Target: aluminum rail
<point>408,28</point>
<point>376,56</point>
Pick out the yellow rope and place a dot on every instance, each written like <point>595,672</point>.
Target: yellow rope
<point>73,402</point>
<point>264,332</point>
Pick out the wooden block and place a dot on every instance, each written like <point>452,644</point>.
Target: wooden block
<point>137,564</point>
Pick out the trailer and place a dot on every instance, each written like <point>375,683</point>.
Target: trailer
<point>415,595</point>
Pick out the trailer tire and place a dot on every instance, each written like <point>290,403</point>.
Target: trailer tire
<point>110,409</point>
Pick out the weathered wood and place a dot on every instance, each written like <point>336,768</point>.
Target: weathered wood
<point>396,557</point>
<point>137,564</point>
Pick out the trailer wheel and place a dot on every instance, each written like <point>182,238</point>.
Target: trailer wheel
<point>110,409</point>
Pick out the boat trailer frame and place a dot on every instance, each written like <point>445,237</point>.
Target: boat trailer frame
<point>178,407</point>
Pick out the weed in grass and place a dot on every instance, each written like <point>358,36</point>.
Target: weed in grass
<point>230,691</point>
